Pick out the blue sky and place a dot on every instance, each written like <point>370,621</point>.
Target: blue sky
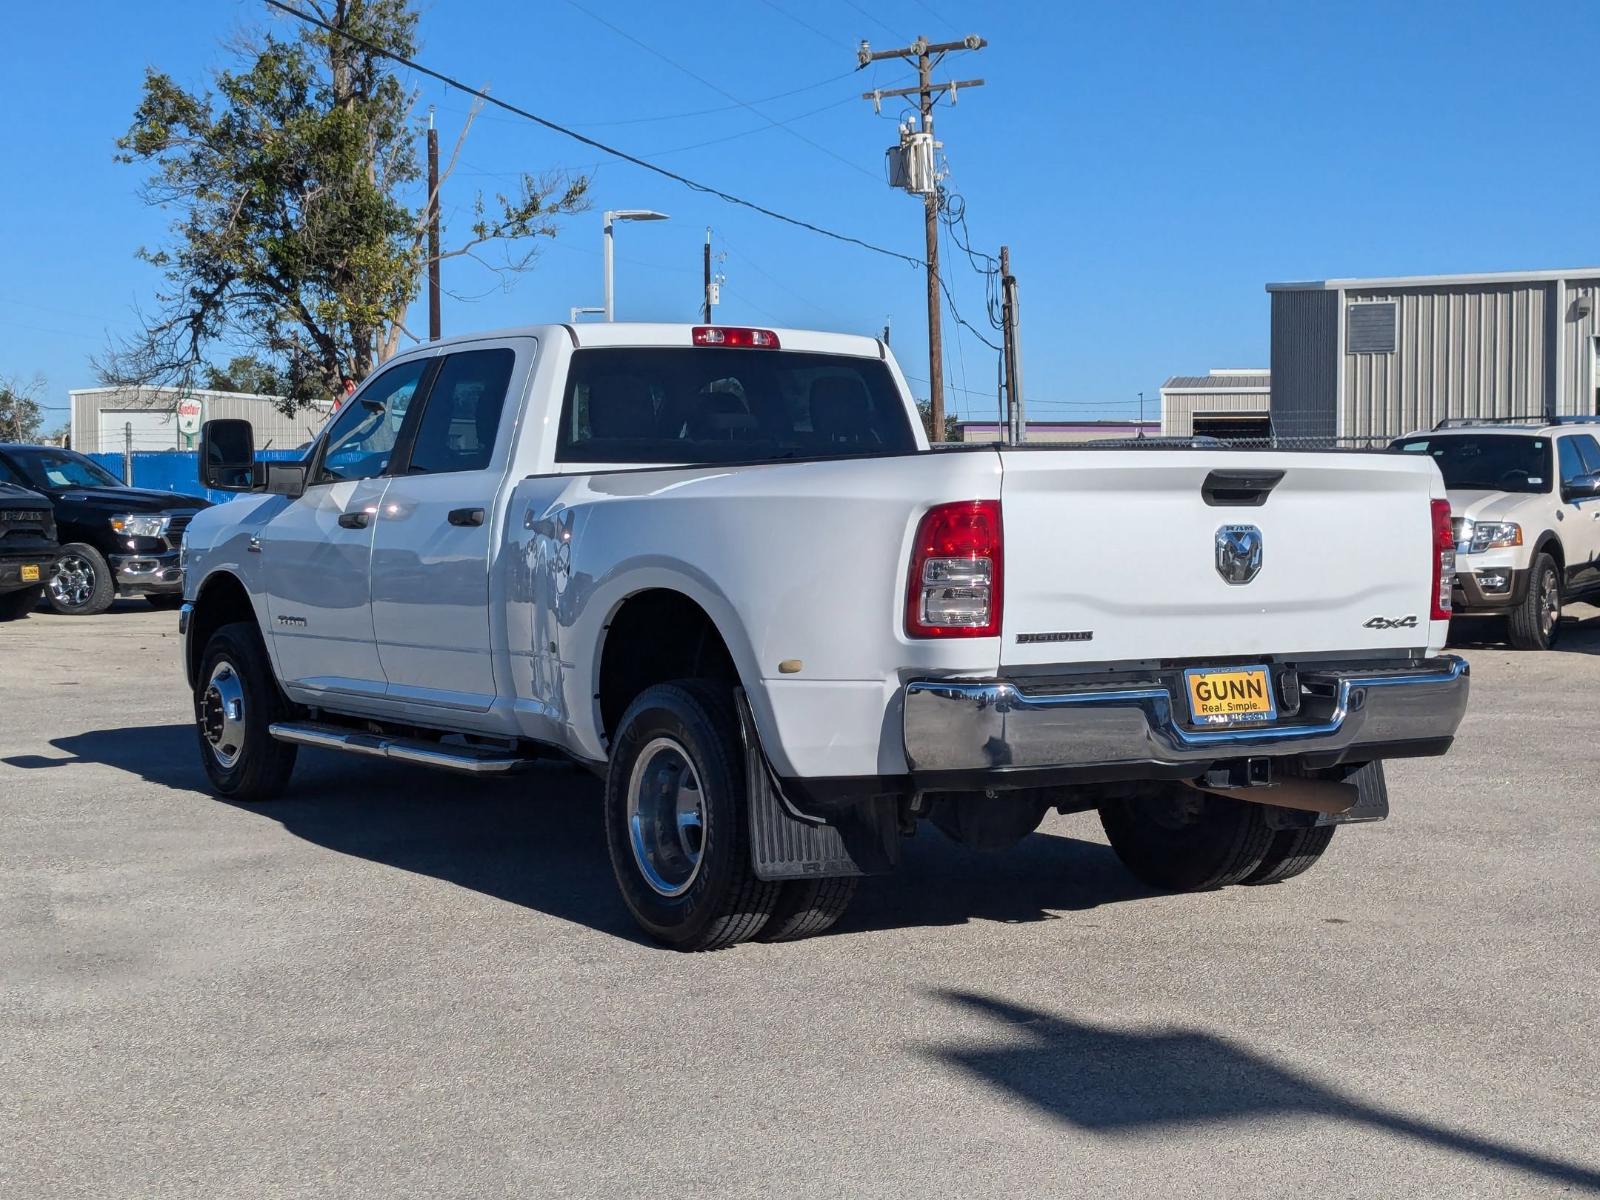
<point>1151,166</point>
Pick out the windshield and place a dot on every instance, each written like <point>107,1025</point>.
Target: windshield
<point>709,405</point>
<point>1495,462</point>
<point>57,469</point>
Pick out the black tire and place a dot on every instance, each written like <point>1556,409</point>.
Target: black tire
<point>246,763</point>
<point>16,605</point>
<point>807,907</point>
<point>1535,624</point>
<point>706,895</point>
<point>164,601</point>
<point>1293,852</point>
<point>1185,840</point>
<point>80,584</point>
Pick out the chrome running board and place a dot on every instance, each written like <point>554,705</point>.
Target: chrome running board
<point>473,760</point>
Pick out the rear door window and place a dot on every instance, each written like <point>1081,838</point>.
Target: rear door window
<point>462,415</point>
<point>707,404</point>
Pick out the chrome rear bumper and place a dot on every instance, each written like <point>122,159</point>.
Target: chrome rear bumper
<point>1003,725</point>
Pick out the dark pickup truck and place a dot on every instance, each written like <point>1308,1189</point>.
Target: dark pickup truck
<point>114,538</point>
<point>27,549</point>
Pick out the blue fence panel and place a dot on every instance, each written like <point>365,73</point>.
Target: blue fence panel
<point>177,470</point>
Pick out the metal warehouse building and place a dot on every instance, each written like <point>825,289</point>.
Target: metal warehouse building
<point>1226,403</point>
<point>103,418</point>
<point>1375,358</point>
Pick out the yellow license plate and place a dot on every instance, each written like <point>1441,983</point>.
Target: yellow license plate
<point>1230,696</point>
<point>30,574</point>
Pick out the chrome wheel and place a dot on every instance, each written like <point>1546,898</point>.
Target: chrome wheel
<point>1549,602</point>
<point>222,714</point>
<point>72,582</point>
<point>666,817</point>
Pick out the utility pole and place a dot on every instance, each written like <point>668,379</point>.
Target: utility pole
<point>927,56</point>
<point>127,453</point>
<point>1016,414</point>
<point>433,230</point>
<point>706,263</point>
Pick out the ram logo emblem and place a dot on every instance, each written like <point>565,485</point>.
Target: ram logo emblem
<point>1238,553</point>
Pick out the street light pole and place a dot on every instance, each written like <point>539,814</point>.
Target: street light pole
<point>621,214</point>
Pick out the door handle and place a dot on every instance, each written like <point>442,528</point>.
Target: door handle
<point>354,520</point>
<point>466,516</point>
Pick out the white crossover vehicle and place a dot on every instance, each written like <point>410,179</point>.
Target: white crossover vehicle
<point>1525,512</point>
<point>722,568</point>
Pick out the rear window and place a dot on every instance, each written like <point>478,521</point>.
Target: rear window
<point>708,405</point>
<point>1498,462</point>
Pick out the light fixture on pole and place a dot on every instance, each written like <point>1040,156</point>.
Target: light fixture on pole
<point>622,214</point>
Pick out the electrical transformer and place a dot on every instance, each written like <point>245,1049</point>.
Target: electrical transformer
<point>911,163</point>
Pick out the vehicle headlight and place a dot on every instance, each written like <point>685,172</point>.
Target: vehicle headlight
<point>150,525</point>
<point>1492,535</point>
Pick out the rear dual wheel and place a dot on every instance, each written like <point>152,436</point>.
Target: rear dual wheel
<point>1186,840</point>
<point>678,829</point>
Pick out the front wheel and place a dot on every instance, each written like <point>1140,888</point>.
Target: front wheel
<point>81,583</point>
<point>1535,624</point>
<point>236,700</point>
<point>678,821</point>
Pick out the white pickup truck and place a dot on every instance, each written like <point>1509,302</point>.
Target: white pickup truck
<point>723,568</point>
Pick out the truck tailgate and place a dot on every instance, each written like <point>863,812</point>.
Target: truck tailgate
<point>1111,555</point>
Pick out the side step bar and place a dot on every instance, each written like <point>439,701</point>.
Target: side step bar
<point>473,760</point>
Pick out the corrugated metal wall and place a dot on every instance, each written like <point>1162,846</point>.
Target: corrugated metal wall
<point>1460,351</point>
<point>1581,382</point>
<point>271,426</point>
<point>1177,411</point>
<point>1305,363</point>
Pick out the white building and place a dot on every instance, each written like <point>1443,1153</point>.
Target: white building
<point>107,419</point>
<point>1227,403</point>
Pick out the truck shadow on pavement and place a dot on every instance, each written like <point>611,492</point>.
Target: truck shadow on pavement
<point>536,839</point>
<point>1111,1081</point>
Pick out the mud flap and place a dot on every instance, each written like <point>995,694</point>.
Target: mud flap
<point>784,843</point>
<point>1372,803</point>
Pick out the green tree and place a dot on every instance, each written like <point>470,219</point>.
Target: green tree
<point>21,416</point>
<point>293,237</point>
<point>952,423</point>
<point>246,373</point>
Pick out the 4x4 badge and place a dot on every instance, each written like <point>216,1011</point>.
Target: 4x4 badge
<point>1238,553</point>
<point>1392,623</point>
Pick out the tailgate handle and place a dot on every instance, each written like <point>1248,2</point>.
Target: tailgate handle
<point>1242,489</point>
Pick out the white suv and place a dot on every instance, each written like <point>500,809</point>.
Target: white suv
<point>1525,508</point>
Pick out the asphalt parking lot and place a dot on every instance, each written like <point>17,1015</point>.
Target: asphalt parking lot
<point>396,982</point>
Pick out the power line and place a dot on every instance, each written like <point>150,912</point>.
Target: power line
<point>783,12</point>
<point>873,18</point>
<point>555,127</point>
<point>721,91</point>
<point>625,156</point>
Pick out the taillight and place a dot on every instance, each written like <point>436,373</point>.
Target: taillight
<point>727,335</point>
<point>1444,561</point>
<point>957,572</point>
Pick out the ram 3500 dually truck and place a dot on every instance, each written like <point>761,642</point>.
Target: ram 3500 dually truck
<point>723,568</point>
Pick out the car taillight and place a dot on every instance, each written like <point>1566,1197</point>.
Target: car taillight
<point>1444,561</point>
<point>957,572</point>
<point>727,335</point>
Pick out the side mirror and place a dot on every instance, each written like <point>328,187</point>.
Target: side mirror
<point>228,462</point>
<point>228,456</point>
<point>1581,487</point>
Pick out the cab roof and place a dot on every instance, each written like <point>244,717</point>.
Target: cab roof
<point>640,333</point>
